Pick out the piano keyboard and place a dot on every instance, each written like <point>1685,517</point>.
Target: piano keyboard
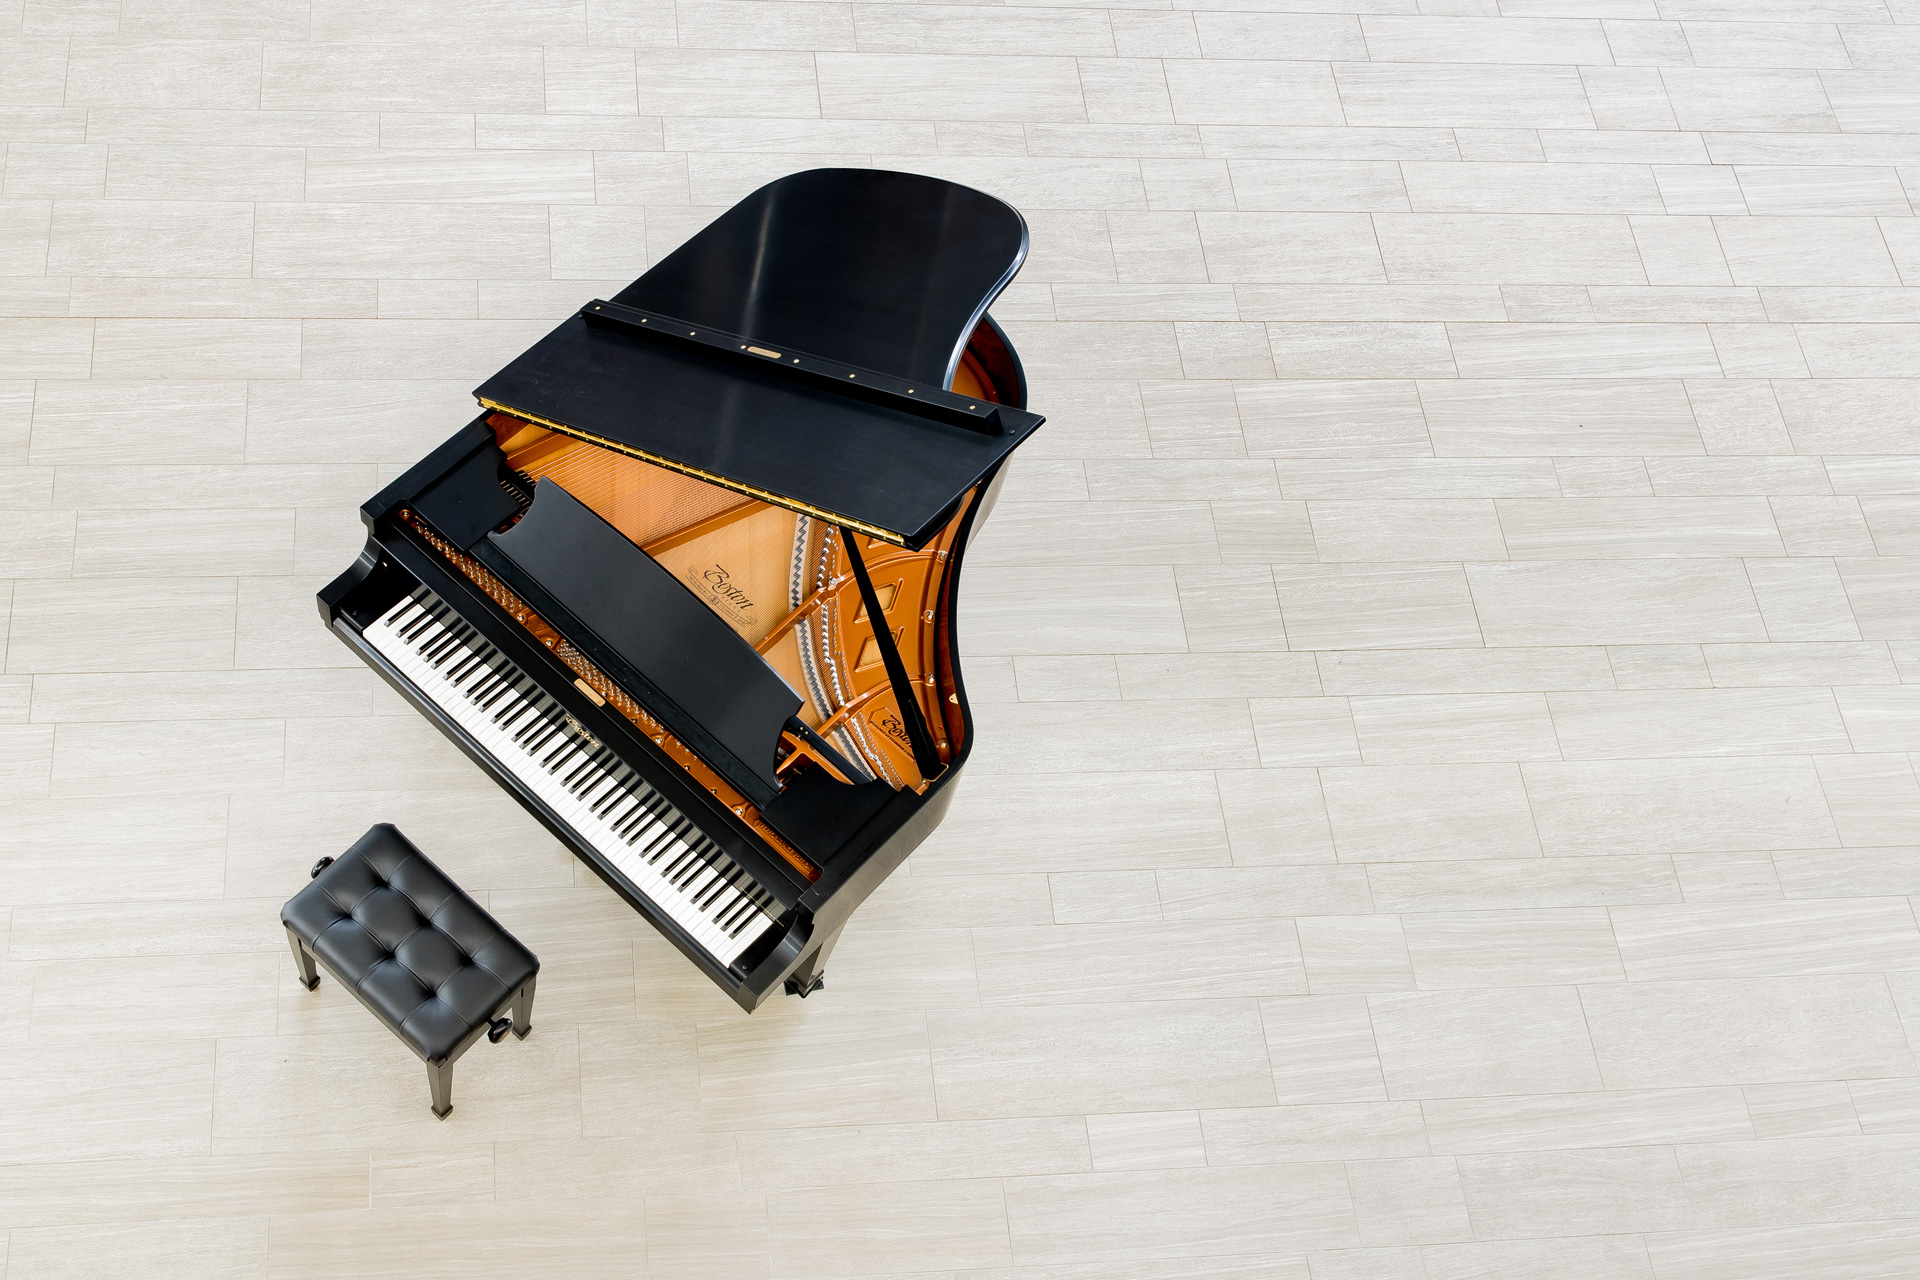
<point>606,804</point>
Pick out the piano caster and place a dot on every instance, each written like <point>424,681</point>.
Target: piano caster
<point>812,975</point>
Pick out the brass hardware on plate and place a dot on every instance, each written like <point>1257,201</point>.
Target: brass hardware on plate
<point>762,351</point>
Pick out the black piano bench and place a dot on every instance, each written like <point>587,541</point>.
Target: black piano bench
<point>415,949</point>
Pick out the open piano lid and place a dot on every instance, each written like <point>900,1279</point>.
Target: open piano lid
<point>797,349</point>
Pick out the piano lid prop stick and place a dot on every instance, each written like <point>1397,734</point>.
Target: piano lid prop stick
<point>925,758</point>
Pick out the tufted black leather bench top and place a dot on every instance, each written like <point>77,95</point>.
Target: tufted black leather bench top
<point>413,946</point>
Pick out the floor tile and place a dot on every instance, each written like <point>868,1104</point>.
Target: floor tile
<point>1443,802</point>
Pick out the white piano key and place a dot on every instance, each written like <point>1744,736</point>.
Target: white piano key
<point>668,860</point>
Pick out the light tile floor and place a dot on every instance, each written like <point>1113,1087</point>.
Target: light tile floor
<point>1447,675</point>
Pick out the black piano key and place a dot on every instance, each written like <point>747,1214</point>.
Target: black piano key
<point>541,732</point>
<point>724,920</point>
<point>440,646</point>
<point>524,699</point>
<point>684,866</point>
<point>541,707</point>
<point>483,691</point>
<point>401,607</point>
<point>459,671</point>
<point>421,637</point>
<point>501,688</point>
<point>438,620</point>
<point>627,788</point>
<point>651,801</point>
<point>646,830</point>
<point>602,762</point>
<point>693,876</point>
<point>612,807</point>
<point>455,643</point>
<point>538,735</point>
<point>573,767</point>
<point>578,773</point>
<point>488,659</point>
<point>414,628</point>
<point>728,874</point>
<point>485,671</point>
<point>636,824</point>
<point>692,867</point>
<point>599,763</point>
<point>514,719</point>
<point>591,789</point>
<point>588,786</point>
<point>503,674</point>
<point>459,630</point>
<point>659,843</point>
<point>722,900</point>
<point>669,848</point>
<point>752,905</point>
<point>623,790</point>
<point>639,831</point>
<point>737,920</point>
<point>534,727</point>
<point>709,856</point>
<point>606,789</point>
<point>401,613</point>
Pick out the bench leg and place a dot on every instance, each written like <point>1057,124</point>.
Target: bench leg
<point>309,975</point>
<point>523,1009</point>
<point>440,1081</point>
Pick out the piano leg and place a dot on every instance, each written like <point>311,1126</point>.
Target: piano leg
<point>440,1081</point>
<point>309,976</point>
<point>811,975</point>
<point>523,1010</point>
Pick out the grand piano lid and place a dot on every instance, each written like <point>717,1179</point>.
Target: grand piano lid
<point>797,350</point>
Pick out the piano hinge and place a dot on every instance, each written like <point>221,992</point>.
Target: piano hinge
<point>927,402</point>
<point>926,756</point>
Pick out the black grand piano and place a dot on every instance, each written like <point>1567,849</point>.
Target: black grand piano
<point>643,587</point>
